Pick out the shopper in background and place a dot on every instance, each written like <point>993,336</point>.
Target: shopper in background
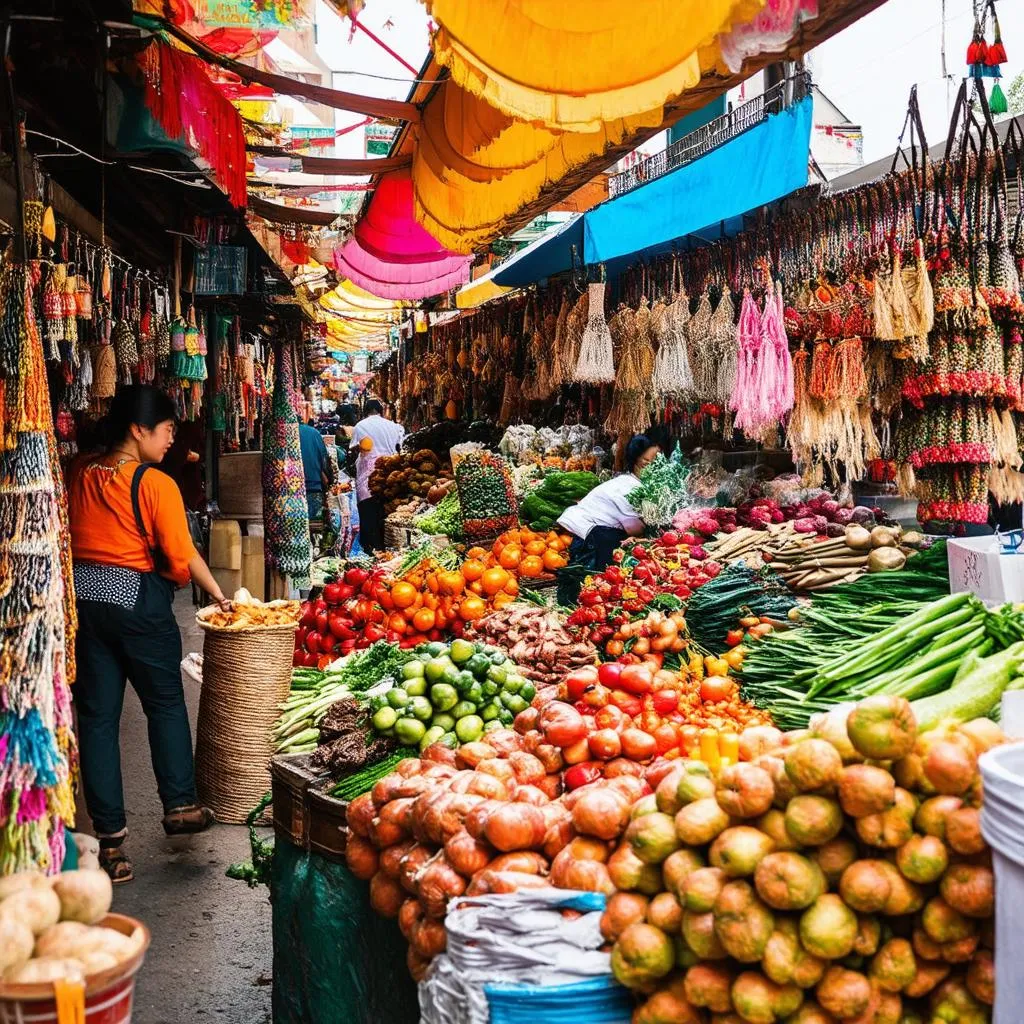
<point>317,467</point>
<point>373,436</point>
<point>131,547</point>
<point>604,518</point>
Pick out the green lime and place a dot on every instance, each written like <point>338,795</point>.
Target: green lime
<point>397,697</point>
<point>412,670</point>
<point>435,669</point>
<point>489,688</point>
<point>492,725</point>
<point>475,694</point>
<point>450,675</point>
<point>421,708</point>
<point>415,687</point>
<point>528,692</point>
<point>444,720</point>
<point>513,683</point>
<point>489,712</point>
<point>498,658</point>
<point>469,729</point>
<point>378,702</point>
<point>478,665</point>
<point>464,682</point>
<point>443,696</point>
<point>460,651</point>
<point>506,717</point>
<point>515,703</point>
<point>449,740</point>
<point>435,649</point>
<point>463,708</point>
<point>423,656</point>
<point>408,731</point>
<point>432,735</point>
<point>385,719</point>
<point>498,674</point>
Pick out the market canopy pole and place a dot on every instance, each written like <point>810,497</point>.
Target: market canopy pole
<point>336,165</point>
<point>394,110</point>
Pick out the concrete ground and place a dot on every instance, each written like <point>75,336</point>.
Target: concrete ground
<point>211,954</point>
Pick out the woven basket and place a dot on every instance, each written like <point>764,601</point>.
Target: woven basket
<point>246,674</point>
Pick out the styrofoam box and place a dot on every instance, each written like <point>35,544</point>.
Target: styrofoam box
<point>976,564</point>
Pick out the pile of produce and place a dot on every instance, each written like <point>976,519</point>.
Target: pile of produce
<point>50,928</point>
<point>536,641</point>
<point>397,478</point>
<point>527,553</point>
<point>314,691</point>
<point>896,648</point>
<point>444,519</point>
<point>835,875</point>
<point>248,613</point>
<point>451,694</point>
<point>441,437</point>
<point>555,493</point>
<point>821,514</point>
<point>735,592</point>
<point>662,494</point>
<point>486,495</point>
<point>614,717</point>
<point>347,741</point>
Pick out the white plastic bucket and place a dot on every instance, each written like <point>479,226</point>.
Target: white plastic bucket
<point>1002,825</point>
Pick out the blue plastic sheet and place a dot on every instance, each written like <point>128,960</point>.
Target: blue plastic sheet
<point>547,256</point>
<point>598,1001</point>
<point>758,167</point>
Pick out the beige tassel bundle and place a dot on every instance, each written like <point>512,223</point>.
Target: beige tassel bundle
<point>596,363</point>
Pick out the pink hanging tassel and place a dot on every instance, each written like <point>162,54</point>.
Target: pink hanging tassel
<point>748,341</point>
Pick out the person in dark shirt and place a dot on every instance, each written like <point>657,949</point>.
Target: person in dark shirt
<point>317,467</point>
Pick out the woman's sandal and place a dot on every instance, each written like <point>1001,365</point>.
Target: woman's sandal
<point>187,821</point>
<point>115,861</point>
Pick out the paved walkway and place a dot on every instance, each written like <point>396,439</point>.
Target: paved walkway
<point>211,954</point>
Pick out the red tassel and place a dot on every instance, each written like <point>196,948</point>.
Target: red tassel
<point>996,54</point>
<point>977,52</point>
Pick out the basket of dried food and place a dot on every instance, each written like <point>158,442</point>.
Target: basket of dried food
<point>247,669</point>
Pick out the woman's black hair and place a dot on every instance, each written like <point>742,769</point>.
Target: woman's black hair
<point>373,408</point>
<point>348,415</point>
<point>138,403</point>
<point>638,444</point>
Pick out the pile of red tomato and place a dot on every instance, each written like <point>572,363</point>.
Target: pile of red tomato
<point>637,713</point>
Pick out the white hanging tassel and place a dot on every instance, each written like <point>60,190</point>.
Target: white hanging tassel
<point>672,373</point>
<point>596,363</point>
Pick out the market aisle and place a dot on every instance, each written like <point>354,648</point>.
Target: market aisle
<point>210,958</point>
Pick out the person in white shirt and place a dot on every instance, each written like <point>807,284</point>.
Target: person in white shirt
<point>600,521</point>
<point>374,436</point>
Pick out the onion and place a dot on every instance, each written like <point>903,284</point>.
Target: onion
<point>529,770</point>
<point>531,795</point>
<point>417,964</point>
<point>440,754</point>
<point>551,786</point>
<point>460,781</point>
<point>384,791</point>
<point>504,882</point>
<point>489,786</point>
<point>601,812</point>
<point>525,861</point>
<point>497,767</point>
<point>359,815</point>
<point>526,721</point>
<point>587,848</point>
<point>515,827</point>
<point>623,766</point>
<point>857,538</point>
<point>454,814</point>
<point>414,787</point>
<point>386,895</point>
<point>433,821</point>
<point>466,854</point>
<point>630,786</point>
<point>883,537</point>
<point>469,755</point>
<point>411,865</point>
<point>16,941</point>
<point>84,895</point>
<point>504,741</point>
<point>438,883</point>
<point>390,860</point>
<point>558,837</point>
<point>361,857</point>
<point>410,767</point>
<point>434,770</point>
<point>428,938</point>
<point>476,821</point>
<point>586,875</point>
<point>409,914</point>
<point>551,757</point>
<point>37,908</point>
<point>393,823</point>
<point>885,559</point>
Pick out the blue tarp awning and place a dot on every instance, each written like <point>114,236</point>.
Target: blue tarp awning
<point>758,167</point>
<point>549,255</point>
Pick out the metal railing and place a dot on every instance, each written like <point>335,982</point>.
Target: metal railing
<point>712,135</point>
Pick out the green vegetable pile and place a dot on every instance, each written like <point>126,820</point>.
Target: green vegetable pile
<point>897,648</point>
<point>662,491</point>
<point>313,692</point>
<point>444,518</point>
<point>486,494</point>
<point>736,591</point>
<point>555,493</point>
<point>451,693</point>
<point>363,780</point>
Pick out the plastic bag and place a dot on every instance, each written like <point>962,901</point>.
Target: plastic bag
<point>496,941</point>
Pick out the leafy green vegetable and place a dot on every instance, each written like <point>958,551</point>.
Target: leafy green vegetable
<point>662,491</point>
<point>445,518</point>
<point>366,778</point>
<point>553,495</point>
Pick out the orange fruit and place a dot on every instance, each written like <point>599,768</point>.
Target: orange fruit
<point>510,556</point>
<point>472,608</point>
<point>476,553</point>
<point>431,601</point>
<point>476,587</point>
<point>512,587</point>
<point>552,560</point>
<point>493,580</point>
<point>403,594</point>
<point>531,566</point>
<point>502,599</point>
<point>473,569</point>
<point>432,582</point>
<point>424,620</point>
<point>451,582</point>
<point>397,623</point>
<point>536,547</point>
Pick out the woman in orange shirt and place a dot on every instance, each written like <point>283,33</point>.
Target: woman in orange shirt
<point>131,547</point>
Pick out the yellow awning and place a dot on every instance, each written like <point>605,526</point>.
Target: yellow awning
<point>476,293</point>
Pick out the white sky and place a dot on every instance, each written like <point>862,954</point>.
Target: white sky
<point>868,69</point>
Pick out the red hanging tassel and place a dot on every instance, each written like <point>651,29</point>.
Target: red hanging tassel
<point>996,52</point>
<point>977,52</point>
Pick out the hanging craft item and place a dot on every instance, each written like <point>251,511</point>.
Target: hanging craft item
<point>596,364</point>
<point>69,346</point>
<point>673,376</point>
<point>104,363</point>
<point>984,59</point>
<point>144,329</point>
<point>48,227</point>
<point>53,310</point>
<point>285,514</point>
<point>106,278</point>
<point>633,396</point>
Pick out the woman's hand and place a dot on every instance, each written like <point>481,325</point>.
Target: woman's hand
<point>223,602</point>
